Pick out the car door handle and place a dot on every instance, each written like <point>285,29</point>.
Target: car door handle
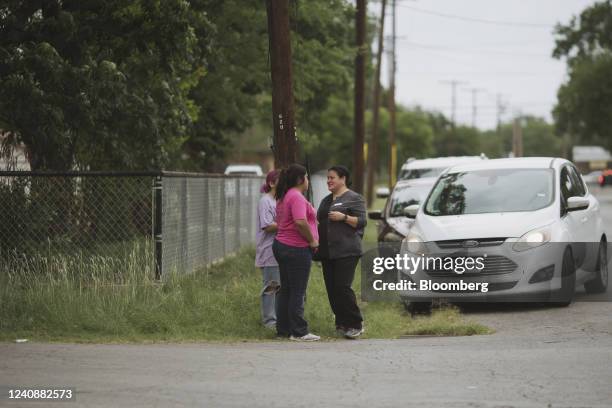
<point>584,219</point>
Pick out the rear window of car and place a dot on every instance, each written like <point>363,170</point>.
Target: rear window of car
<point>409,174</point>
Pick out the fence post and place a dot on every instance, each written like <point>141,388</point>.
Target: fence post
<point>157,225</point>
<point>205,224</point>
<point>184,235</point>
<point>223,205</point>
<point>237,215</point>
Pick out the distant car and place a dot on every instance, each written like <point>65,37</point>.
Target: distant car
<point>415,181</point>
<point>592,177</point>
<point>243,169</point>
<point>533,219</point>
<point>393,222</point>
<point>432,168</point>
<point>605,178</point>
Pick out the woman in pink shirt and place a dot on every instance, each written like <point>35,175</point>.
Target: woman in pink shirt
<point>296,240</point>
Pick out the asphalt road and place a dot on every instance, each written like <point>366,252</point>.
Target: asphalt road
<point>538,357</point>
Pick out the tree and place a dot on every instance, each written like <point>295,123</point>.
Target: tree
<point>584,108</point>
<point>98,84</point>
<point>229,97</point>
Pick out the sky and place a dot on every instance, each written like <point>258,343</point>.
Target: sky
<point>498,47</point>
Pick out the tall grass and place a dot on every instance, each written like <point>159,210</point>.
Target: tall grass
<point>86,298</point>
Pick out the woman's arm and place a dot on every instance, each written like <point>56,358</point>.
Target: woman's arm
<point>356,221</point>
<point>304,230</point>
<point>271,228</point>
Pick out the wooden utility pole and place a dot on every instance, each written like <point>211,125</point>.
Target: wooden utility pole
<point>359,109</point>
<point>474,92</point>
<point>392,121</point>
<point>517,138</point>
<point>285,142</point>
<point>501,108</point>
<point>452,142</point>
<point>373,145</point>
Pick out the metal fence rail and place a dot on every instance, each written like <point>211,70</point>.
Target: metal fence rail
<point>182,221</point>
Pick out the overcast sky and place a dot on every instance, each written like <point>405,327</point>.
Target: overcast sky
<point>507,51</point>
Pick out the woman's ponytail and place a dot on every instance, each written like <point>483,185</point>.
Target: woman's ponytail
<point>289,177</point>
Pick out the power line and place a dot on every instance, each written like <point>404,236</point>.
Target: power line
<point>470,51</point>
<point>478,20</point>
<point>479,73</point>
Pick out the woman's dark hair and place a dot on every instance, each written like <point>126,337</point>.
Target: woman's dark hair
<point>289,177</point>
<point>342,171</point>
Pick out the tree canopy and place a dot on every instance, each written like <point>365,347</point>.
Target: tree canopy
<point>584,108</point>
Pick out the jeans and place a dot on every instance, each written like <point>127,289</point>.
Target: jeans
<point>269,292</point>
<point>294,265</point>
<point>338,275</point>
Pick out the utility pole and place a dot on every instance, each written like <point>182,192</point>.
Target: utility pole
<point>474,104</point>
<point>392,119</point>
<point>359,108</point>
<point>285,141</point>
<point>501,108</point>
<point>373,145</point>
<point>453,83</point>
<point>452,142</point>
<point>517,137</point>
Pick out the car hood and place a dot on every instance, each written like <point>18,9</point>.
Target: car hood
<point>471,226</point>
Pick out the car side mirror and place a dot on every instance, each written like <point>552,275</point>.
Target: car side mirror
<point>382,192</point>
<point>412,210</point>
<point>577,203</point>
<point>375,215</point>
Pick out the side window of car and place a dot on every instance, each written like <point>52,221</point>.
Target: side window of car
<point>579,189</point>
<point>567,186</point>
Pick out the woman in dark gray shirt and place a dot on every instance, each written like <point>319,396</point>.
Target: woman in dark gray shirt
<point>342,218</point>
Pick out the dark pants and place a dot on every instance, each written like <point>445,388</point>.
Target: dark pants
<point>294,265</point>
<point>339,275</point>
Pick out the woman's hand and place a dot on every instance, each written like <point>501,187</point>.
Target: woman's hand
<point>336,216</point>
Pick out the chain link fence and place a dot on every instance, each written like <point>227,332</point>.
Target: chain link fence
<point>168,222</point>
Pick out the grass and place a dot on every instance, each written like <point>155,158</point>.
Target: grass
<point>80,299</point>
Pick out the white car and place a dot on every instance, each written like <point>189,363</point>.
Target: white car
<point>532,220</point>
<point>415,180</point>
<point>243,169</point>
<point>432,168</point>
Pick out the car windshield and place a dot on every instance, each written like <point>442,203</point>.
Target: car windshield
<point>409,174</point>
<point>491,191</point>
<point>403,196</point>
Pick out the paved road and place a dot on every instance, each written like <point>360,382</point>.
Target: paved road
<point>538,357</point>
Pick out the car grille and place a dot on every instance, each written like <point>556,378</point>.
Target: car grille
<point>493,265</point>
<point>460,243</point>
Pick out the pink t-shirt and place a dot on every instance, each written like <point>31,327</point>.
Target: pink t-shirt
<point>294,206</point>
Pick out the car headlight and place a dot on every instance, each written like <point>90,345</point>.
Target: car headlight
<point>413,243</point>
<point>533,239</point>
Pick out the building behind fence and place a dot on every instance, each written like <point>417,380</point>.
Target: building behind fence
<point>177,222</point>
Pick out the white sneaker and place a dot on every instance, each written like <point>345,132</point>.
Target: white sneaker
<point>306,337</point>
<point>353,333</point>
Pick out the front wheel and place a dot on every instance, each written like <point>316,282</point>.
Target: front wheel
<point>600,283</point>
<point>565,296</point>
